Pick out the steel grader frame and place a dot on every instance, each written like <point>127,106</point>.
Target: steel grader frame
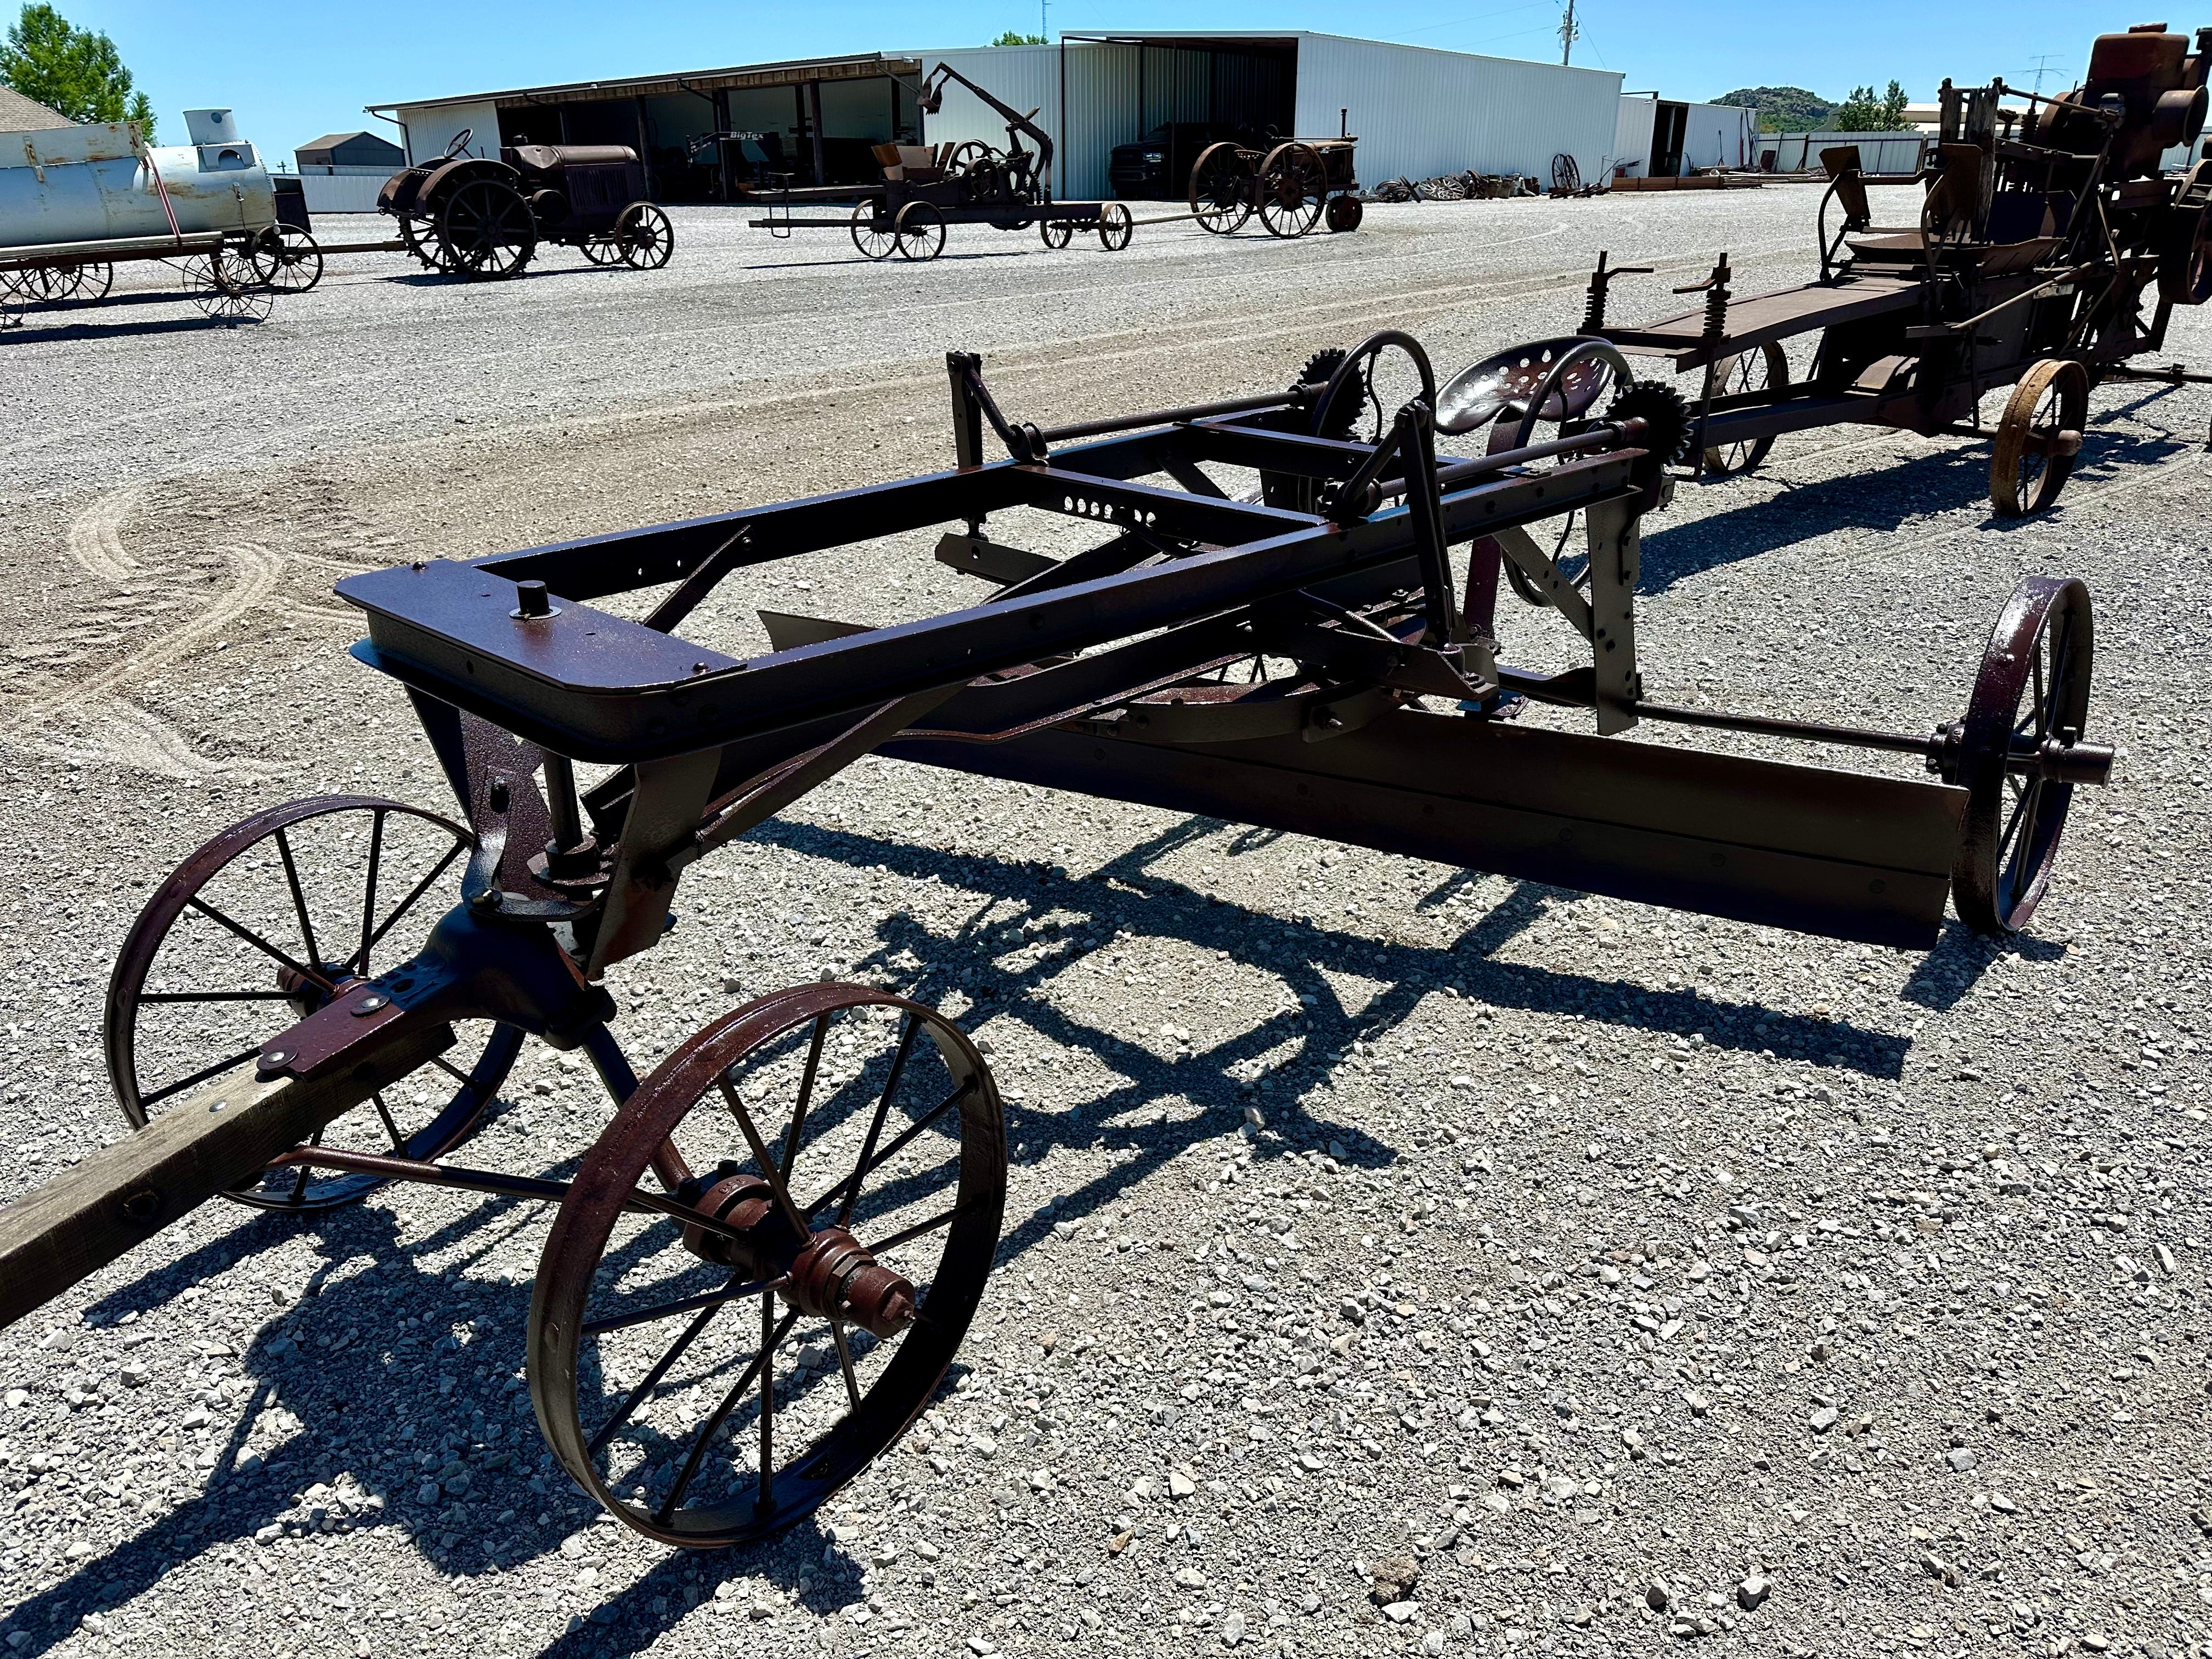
<point>2040,236</point>
<point>1321,658</point>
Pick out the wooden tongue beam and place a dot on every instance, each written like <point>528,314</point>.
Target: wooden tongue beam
<point>59,1233</point>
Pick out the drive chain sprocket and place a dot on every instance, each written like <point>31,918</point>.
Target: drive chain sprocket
<point>1665,414</point>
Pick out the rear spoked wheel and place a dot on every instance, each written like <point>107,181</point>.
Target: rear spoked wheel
<point>271,920</point>
<point>2039,437</point>
<point>918,230</point>
<point>1218,195</point>
<point>713,1384</point>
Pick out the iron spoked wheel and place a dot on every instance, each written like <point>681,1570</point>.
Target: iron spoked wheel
<point>2184,262</point>
<point>287,261</point>
<point>712,1388</point>
<point>94,280</point>
<point>1293,185</point>
<point>227,288</point>
<point>1567,174</point>
<point>875,239</point>
<point>2033,686</point>
<point>1116,226</point>
<point>422,244</point>
<point>600,250</point>
<point>485,231</point>
<point>261,926</point>
<point>1216,189</point>
<point>918,230</point>
<point>2039,437</point>
<point>1056,234</point>
<point>646,235</point>
<point>1762,368</point>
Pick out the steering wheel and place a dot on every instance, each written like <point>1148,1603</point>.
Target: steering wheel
<point>460,144</point>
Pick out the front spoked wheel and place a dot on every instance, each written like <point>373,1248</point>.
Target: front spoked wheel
<point>272,920</point>
<point>712,1383</point>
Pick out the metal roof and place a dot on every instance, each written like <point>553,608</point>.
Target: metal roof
<point>850,66</point>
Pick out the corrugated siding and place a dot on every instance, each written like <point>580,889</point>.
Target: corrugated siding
<point>1101,112</point>
<point>1632,136</point>
<point>1027,77</point>
<point>1418,112</point>
<point>427,129</point>
<point>1879,152</point>
<point>1719,135</point>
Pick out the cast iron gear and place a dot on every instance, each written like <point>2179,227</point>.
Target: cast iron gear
<point>1665,415</point>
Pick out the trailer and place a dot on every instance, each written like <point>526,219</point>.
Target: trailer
<point>327,997</point>
<point>2040,237</point>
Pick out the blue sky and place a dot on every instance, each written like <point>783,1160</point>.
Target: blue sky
<point>293,71</point>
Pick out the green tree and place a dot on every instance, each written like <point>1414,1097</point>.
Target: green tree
<point>1865,112</point>
<point>71,69</point>
<point>1014,38</point>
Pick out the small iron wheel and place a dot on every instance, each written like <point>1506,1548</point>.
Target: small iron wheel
<point>645,236</point>
<point>600,250</point>
<point>1761,369</point>
<point>1344,213</point>
<point>2039,437</point>
<point>2185,255</point>
<point>918,230</point>
<point>287,259</point>
<point>485,231</point>
<point>265,924</point>
<point>1217,194</point>
<point>2033,686</point>
<point>1116,226</point>
<point>227,288</point>
<point>713,1387</point>
<point>1056,233</point>
<point>94,279</point>
<point>1293,184</point>
<point>875,239</point>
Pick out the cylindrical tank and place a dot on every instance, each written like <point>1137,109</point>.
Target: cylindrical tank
<point>94,183</point>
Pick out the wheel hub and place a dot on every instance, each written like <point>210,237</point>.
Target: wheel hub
<point>828,1274</point>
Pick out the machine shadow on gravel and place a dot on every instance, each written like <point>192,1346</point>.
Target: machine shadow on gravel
<point>1941,979</point>
<point>127,330</point>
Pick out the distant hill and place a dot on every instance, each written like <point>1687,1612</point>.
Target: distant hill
<point>1782,109</point>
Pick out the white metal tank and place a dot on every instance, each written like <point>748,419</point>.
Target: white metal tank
<point>96,183</point>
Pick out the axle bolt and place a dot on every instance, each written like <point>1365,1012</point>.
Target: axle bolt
<point>531,601</point>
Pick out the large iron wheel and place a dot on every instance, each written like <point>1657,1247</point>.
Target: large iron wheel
<point>1759,368</point>
<point>646,235</point>
<point>486,230</point>
<point>271,920</point>
<point>287,259</point>
<point>2184,256</point>
<point>2039,437</point>
<point>1567,174</point>
<point>2033,686</point>
<point>1116,226</point>
<point>849,1146</point>
<point>1217,194</point>
<point>918,230</point>
<point>875,239</point>
<point>1293,185</point>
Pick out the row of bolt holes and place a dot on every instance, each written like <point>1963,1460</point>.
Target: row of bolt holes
<point>1083,507</point>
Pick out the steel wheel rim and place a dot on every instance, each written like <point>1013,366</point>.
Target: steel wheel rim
<point>1056,234</point>
<point>874,239</point>
<point>486,230</point>
<point>2025,477</point>
<point>1116,225</point>
<point>1760,369</point>
<point>2034,685</point>
<point>647,237</point>
<point>920,227</point>
<point>475,1083</point>
<point>629,1388</point>
<point>1294,183</point>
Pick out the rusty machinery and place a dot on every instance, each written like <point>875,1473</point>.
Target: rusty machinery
<point>1293,185</point>
<point>925,187</point>
<point>758,1275</point>
<point>481,217</point>
<point>2044,230</point>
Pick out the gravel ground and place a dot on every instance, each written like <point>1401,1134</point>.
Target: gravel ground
<point>1398,1258</point>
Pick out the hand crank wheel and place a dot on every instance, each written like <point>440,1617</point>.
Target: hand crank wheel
<point>2033,686</point>
<point>267,923</point>
<point>2039,436</point>
<point>713,1387</point>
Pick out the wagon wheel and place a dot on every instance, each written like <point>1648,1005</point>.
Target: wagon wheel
<point>268,922</point>
<point>1761,369</point>
<point>287,260</point>
<point>1344,213</point>
<point>1292,185</point>
<point>1361,397</point>
<point>1056,233</point>
<point>30,285</point>
<point>2033,685</point>
<point>2039,437</point>
<point>870,234</point>
<point>1567,174</point>
<point>1116,226</point>
<point>645,236</point>
<point>226,287</point>
<point>420,239</point>
<point>94,280</point>
<point>600,250</point>
<point>486,230</point>
<point>1217,194</point>
<point>918,230</point>
<point>853,1255</point>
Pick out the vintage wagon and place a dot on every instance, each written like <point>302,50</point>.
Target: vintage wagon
<point>75,201</point>
<point>1293,186</point>
<point>328,996</point>
<point>476,217</point>
<point>2040,238</point>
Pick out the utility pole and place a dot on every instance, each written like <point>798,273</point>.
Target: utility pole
<point>1568,35</point>
<point>1044,29</point>
<point>2043,68</point>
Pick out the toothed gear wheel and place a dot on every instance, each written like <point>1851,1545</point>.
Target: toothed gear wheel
<point>1665,414</point>
<point>1322,364</point>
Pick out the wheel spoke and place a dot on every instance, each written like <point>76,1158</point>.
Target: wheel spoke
<point>214,996</point>
<point>805,1097</point>
<point>318,981</point>
<point>299,898</point>
<point>898,1144</point>
<point>636,1395</point>
<point>360,963</point>
<point>398,1140</point>
<point>707,1430</point>
<point>368,894</point>
<point>199,1077</point>
<point>883,1112</point>
<point>845,1362</point>
<point>760,1152</point>
<point>907,1236</point>
<point>666,1309</point>
<point>300,1181</point>
<point>767,1411</point>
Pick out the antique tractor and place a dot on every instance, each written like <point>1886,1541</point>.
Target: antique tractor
<point>474,217</point>
<point>1294,186</point>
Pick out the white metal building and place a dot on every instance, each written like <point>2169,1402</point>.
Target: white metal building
<point>1657,137</point>
<point>1417,111</point>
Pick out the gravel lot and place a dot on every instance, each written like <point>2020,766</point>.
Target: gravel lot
<point>1582,1278</point>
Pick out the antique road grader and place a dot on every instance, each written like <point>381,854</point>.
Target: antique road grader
<point>474,217</point>
<point>925,188</point>
<point>327,996</point>
<point>2040,235</point>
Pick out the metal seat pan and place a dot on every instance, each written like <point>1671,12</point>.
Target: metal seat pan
<point>1479,395</point>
